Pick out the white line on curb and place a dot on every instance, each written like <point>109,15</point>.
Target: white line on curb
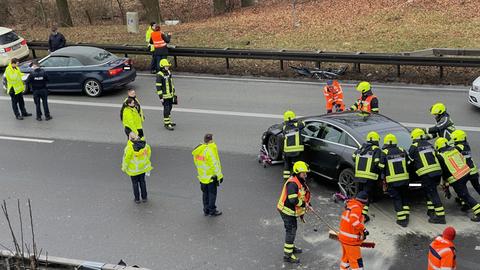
<point>25,139</point>
<point>214,112</point>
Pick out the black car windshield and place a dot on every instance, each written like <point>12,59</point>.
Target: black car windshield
<point>8,38</point>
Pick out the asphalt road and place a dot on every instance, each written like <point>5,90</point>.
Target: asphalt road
<point>83,204</point>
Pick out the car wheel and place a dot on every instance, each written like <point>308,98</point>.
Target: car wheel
<point>273,147</point>
<point>345,179</point>
<point>92,88</point>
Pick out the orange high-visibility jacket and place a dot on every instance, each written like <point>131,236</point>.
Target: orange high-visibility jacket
<point>157,40</point>
<point>442,255</point>
<point>351,224</point>
<point>333,95</point>
<point>365,105</point>
<point>301,199</point>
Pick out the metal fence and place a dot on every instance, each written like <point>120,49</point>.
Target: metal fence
<point>430,57</point>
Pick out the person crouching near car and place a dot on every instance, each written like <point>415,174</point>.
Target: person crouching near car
<point>136,164</point>
<point>15,88</point>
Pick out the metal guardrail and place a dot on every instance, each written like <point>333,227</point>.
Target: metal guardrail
<point>419,58</point>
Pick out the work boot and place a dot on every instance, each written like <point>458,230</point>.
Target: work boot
<point>26,114</point>
<point>297,250</point>
<point>403,223</point>
<point>430,212</point>
<point>169,127</point>
<point>173,124</point>
<point>216,213</point>
<point>39,118</point>
<point>48,118</point>
<point>366,218</point>
<point>19,117</point>
<point>290,258</point>
<point>475,218</point>
<point>437,220</point>
<point>458,200</point>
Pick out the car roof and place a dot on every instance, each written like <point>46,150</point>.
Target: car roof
<point>4,30</point>
<point>84,54</point>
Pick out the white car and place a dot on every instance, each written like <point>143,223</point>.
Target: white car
<point>474,93</point>
<point>11,46</point>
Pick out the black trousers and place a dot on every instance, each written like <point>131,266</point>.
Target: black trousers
<point>209,197</point>
<point>474,181</point>
<point>153,64</point>
<point>156,59</point>
<point>43,96</point>
<point>17,102</point>
<point>399,195</point>
<point>290,224</point>
<point>290,159</point>
<point>460,187</point>
<point>139,187</point>
<point>430,187</point>
<point>369,186</point>
<point>167,110</point>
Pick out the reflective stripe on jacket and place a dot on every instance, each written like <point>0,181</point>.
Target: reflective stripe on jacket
<point>148,36</point>
<point>466,151</point>
<point>351,224</point>
<point>364,104</point>
<point>366,162</point>
<point>207,162</point>
<point>301,198</point>
<point>424,159</point>
<point>164,84</point>
<point>157,40</point>
<point>136,162</point>
<point>292,141</point>
<point>393,161</point>
<point>333,95</point>
<point>441,255</point>
<point>14,79</point>
<point>453,163</point>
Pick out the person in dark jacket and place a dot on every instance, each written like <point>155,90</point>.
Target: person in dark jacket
<point>37,81</point>
<point>159,41</point>
<point>56,40</point>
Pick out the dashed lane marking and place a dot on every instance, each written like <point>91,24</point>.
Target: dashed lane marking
<point>22,139</point>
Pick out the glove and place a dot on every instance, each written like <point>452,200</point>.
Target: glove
<point>220,180</point>
<point>365,234</point>
<point>214,178</point>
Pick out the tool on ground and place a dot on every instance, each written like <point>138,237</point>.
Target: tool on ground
<point>264,157</point>
<point>333,233</point>
<point>340,196</point>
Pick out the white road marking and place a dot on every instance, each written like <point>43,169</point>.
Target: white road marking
<point>25,139</point>
<point>214,112</point>
<point>461,89</point>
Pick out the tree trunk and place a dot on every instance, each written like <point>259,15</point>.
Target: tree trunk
<point>122,12</point>
<point>64,13</point>
<point>219,6</point>
<point>247,3</point>
<point>152,10</point>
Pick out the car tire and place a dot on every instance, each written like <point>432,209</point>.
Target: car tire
<point>346,180</point>
<point>273,147</point>
<point>92,88</point>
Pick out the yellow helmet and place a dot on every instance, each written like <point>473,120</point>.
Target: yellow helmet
<point>437,108</point>
<point>288,115</point>
<point>300,167</point>
<point>390,139</point>
<point>417,133</point>
<point>363,87</point>
<point>441,143</point>
<point>373,136</point>
<point>164,63</point>
<point>458,135</point>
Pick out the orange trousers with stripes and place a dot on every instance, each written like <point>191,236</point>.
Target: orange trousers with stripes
<point>351,258</point>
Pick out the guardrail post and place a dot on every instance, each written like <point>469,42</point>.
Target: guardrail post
<point>228,63</point>
<point>175,63</point>
<point>357,67</point>
<point>281,65</point>
<point>34,55</point>
<point>318,64</point>
<point>441,72</point>
<point>126,54</point>
<point>398,70</point>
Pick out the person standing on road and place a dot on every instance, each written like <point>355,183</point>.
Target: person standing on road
<point>456,174</point>
<point>56,40</point>
<point>429,171</point>
<point>292,142</point>
<point>132,118</point>
<point>393,163</point>
<point>151,48</point>
<point>444,126</point>
<point>294,199</point>
<point>159,41</point>
<point>15,88</point>
<point>333,96</point>
<point>352,232</point>
<point>366,160</point>
<point>442,254</point>
<point>459,137</point>
<point>136,163</point>
<point>166,93</point>
<point>209,168</point>
<point>367,102</point>
<point>37,81</point>
<point>132,94</point>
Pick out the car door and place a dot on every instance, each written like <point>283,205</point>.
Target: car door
<point>312,143</point>
<point>73,75</point>
<point>55,68</point>
<point>330,150</point>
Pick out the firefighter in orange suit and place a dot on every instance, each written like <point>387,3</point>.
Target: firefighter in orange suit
<point>295,198</point>
<point>333,96</point>
<point>442,253</point>
<point>353,232</point>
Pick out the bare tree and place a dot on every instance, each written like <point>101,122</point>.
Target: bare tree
<point>122,12</point>
<point>219,6</point>
<point>247,3</point>
<point>64,13</point>
<point>152,10</point>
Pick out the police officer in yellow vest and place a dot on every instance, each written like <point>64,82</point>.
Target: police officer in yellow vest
<point>456,173</point>
<point>166,92</point>
<point>15,88</point>
<point>132,118</point>
<point>292,142</point>
<point>427,168</point>
<point>293,201</point>
<point>366,160</point>
<point>151,48</point>
<point>136,163</point>
<point>209,168</point>
<point>393,163</point>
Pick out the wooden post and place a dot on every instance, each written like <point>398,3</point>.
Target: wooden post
<point>441,72</point>
<point>228,63</point>
<point>398,70</point>
<point>281,65</point>
<point>175,63</point>
<point>357,67</point>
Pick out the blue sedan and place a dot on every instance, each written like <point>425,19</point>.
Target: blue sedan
<point>84,69</point>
